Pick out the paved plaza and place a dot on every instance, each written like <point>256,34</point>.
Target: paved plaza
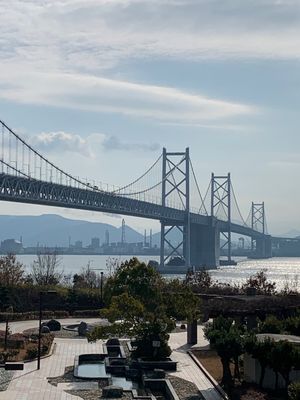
<point>31,384</point>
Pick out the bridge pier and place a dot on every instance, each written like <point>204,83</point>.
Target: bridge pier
<point>263,247</point>
<point>204,246</point>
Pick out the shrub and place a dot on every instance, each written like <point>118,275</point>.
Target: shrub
<point>294,391</point>
<point>61,314</point>
<point>44,349</point>
<point>32,315</point>
<point>32,352</point>
<point>87,313</point>
<point>292,325</point>
<point>271,325</point>
<point>53,325</point>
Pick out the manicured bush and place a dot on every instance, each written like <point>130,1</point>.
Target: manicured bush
<point>54,325</point>
<point>32,353</point>
<point>87,313</point>
<point>25,316</point>
<point>292,325</point>
<point>294,391</point>
<point>271,325</point>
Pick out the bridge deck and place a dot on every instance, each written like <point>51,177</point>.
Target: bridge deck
<point>24,190</point>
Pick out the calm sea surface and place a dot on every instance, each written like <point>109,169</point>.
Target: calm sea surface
<point>279,270</point>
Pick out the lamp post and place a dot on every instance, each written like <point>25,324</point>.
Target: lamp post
<point>40,324</point>
<point>101,283</point>
<point>6,333</point>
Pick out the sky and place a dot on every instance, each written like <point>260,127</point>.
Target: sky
<point>100,86</point>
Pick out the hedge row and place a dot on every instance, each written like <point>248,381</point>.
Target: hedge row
<point>58,314</point>
<point>86,313</point>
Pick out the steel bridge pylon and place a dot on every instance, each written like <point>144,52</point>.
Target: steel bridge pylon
<point>221,198</point>
<point>261,246</point>
<point>257,221</point>
<point>176,179</point>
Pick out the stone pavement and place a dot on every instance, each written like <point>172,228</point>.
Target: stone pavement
<point>31,384</point>
<point>186,367</point>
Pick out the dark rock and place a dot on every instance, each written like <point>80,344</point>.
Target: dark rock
<point>82,328</point>
<point>182,326</point>
<point>45,329</point>
<point>111,392</point>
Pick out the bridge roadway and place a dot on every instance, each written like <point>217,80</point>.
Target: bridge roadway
<point>25,190</point>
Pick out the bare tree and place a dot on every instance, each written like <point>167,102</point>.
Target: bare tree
<point>45,269</point>
<point>87,279</point>
<point>11,271</point>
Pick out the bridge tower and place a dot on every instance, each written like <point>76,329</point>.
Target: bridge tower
<point>175,178</point>
<point>258,217</point>
<point>221,199</point>
<point>261,246</point>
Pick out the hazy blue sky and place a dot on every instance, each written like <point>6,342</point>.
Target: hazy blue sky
<point>100,86</point>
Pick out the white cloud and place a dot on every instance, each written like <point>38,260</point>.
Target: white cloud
<point>92,93</point>
<point>114,143</point>
<point>62,142</point>
<point>95,35</point>
<point>56,52</point>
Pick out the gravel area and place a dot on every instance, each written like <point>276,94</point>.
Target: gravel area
<point>94,395</point>
<point>63,334</point>
<point>185,390</point>
<point>69,377</point>
<point>5,378</point>
<point>84,394</point>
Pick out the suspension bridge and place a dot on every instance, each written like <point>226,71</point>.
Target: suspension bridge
<point>168,192</point>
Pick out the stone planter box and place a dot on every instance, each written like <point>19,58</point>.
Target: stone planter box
<point>167,364</point>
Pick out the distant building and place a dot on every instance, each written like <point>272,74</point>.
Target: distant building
<point>95,243</point>
<point>11,246</point>
<point>78,244</point>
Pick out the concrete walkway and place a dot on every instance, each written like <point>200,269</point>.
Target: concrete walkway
<point>31,384</point>
<point>186,367</point>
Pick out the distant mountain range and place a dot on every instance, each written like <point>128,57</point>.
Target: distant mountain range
<point>54,230</point>
<point>290,234</point>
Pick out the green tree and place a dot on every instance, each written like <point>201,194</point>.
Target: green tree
<point>129,317</point>
<point>261,351</point>
<point>227,340</point>
<point>137,279</point>
<point>143,305</point>
<point>180,301</point>
<point>284,357</point>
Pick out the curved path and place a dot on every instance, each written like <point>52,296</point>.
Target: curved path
<point>31,384</point>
